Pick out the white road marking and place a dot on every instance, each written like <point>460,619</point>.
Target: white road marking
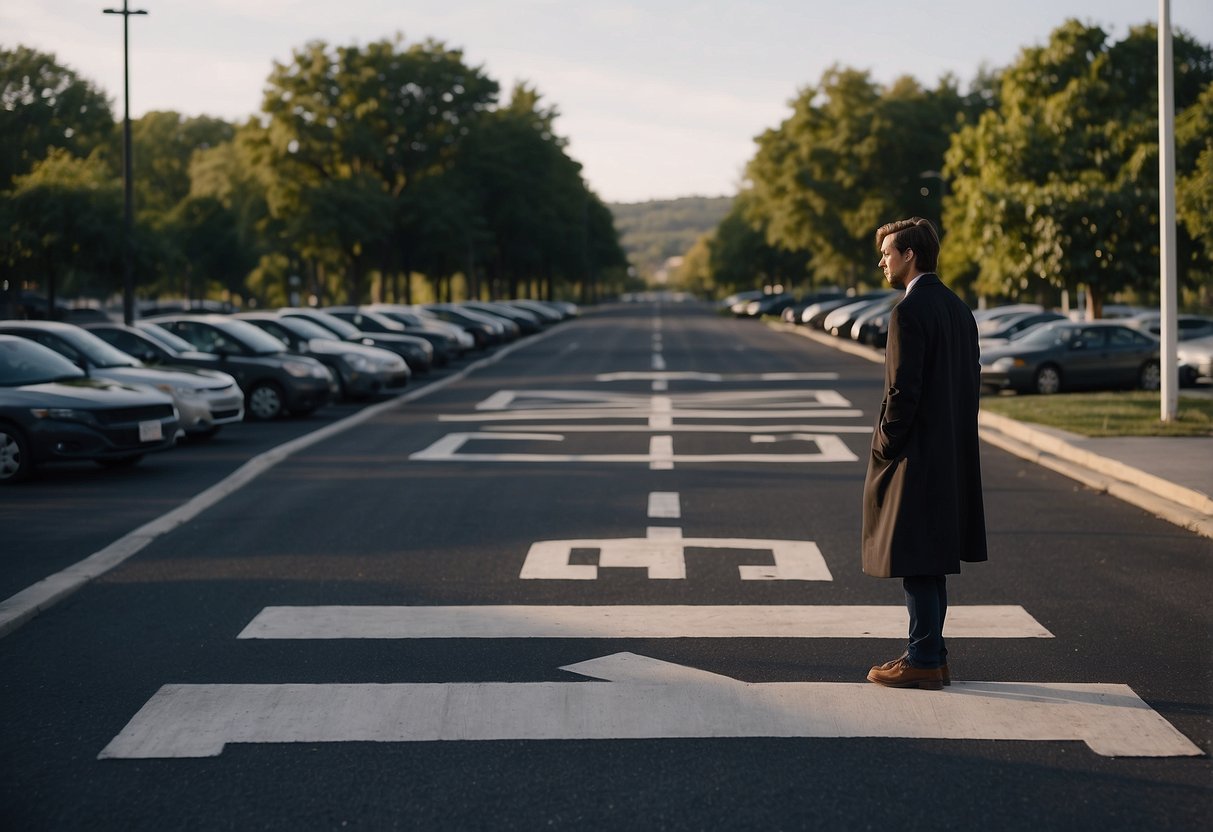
<point>644,413</point>
<point>630,621</point>
<point>658,361</point>
<point>716,377</point>
<point>665,557</point>
<point>641,698</point>
<point>660,408</point>
<point>751,429</point>
<point>665,504</point>
<point>760,399</point>
<point>660,385</point>
<point>661,454</point>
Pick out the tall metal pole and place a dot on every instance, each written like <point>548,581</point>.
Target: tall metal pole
<point>128,220</point>
<point>1169,388</point>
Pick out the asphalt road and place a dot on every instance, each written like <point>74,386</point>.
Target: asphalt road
<point>366,635</point>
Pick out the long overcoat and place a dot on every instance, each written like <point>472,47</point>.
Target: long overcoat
<point>922,504</point>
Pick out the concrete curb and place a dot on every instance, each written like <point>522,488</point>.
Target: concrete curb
<point>1172,502</point>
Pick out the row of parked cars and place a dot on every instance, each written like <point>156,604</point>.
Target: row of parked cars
<point>1024,347</point>
<point>111,393</point>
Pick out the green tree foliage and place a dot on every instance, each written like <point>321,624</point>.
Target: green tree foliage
<point>851,156</point>
<point>44,105</point>
<point>352,129</point>
<point>741,258</point>
<point>1059,183</point>
<point>164,144</point>
<point>60,225</point>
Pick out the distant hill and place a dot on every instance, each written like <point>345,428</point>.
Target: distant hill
<point>653,231</point>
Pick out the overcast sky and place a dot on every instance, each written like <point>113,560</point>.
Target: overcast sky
<point>659,98</point>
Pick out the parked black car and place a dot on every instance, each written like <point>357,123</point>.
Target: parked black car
<point>416,352</point>
<point>51,411</point>
<point>274,381</point>
<point>487,330</point>
<point>417,318</point>
<point>1069,356</point>
<point>361,371</point>
<point>445,347</point>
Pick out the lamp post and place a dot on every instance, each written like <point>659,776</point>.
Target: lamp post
<point>1169,376</point>
<point>128,267</point>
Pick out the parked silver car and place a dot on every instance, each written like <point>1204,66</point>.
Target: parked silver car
<point>205,399</point>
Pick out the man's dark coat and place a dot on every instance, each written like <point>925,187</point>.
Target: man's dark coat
<point>922,504</point>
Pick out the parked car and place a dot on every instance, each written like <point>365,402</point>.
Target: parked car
<point>412,316</point>
<point>488,330</point>
<point>1064,355</point>
<point>772,304</point>
<point>792,314</point>
<point>1187,327</point>
<point>205,399</point>
<point>526,322</point>
<point>990,319</point>
<point>839,321</point>
<point>1195,360</point>
<point>275,382</point>
<point>361,371</point>
<point>1012,326</point>
<point>877,310</point>
<point>416,352</point>
<point>543,309</point>
<point>814,314</point>
<point>50,411</point>
<point>445,347</point>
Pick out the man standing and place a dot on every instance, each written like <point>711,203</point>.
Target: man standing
<point>922,503</point>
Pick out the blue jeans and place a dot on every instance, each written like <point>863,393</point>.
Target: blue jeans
<point>927,601</point>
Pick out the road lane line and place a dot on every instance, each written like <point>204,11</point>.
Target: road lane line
<point>641,698</point>
<point>661,453</point>
<point>665,504</point>
<point>630,621</point>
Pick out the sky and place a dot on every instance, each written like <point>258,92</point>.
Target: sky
<point>658,98</point>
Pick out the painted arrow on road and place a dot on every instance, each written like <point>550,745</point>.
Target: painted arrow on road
<point>642,698</point>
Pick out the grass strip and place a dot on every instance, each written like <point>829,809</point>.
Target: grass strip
<point>1107,414</point>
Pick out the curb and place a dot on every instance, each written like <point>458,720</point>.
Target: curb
<point>1164,499</point>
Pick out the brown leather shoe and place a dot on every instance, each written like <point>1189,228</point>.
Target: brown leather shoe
<point>899,673</point>
<point>943,671</point>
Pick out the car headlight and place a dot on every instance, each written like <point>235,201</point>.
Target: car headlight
<point>392,364</point>
<point>360,363</point>
<point>67,414</point>
<point>298,368</point>
<point>177,390</point>
<point>1006,364</point>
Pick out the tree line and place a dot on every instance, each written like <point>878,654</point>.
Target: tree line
<point>1043,177</point>
<point>386,171</point>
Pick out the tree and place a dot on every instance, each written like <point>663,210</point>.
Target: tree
<point>351,129</point>
<point>63,225</point>
<point>45,105</point>
<point>1058,185</point>
<point>740,257</point>
<point>849,158</point>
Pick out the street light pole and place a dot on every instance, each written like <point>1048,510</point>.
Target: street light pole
<point>128,266</point>
<point>1168,289</point>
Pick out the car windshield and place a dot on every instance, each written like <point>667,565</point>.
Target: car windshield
<point>258,341</point>
<point>168,339</point>
<point>343,328</point>
<point>98,352</point>
<point>306,329</point>
<point>1045,335</point>
<point>24,362</point>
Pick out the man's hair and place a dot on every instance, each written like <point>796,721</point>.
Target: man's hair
<point>917,234</point>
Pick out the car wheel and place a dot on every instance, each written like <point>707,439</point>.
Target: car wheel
<point>1047,380</point>
<point>120,461</point>
<point>264,402</point>
<point>1187,376</point>
<point>16,464</point>
<point>1150,378</point>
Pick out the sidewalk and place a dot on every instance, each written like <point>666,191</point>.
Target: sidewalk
<point>1170,477</point>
